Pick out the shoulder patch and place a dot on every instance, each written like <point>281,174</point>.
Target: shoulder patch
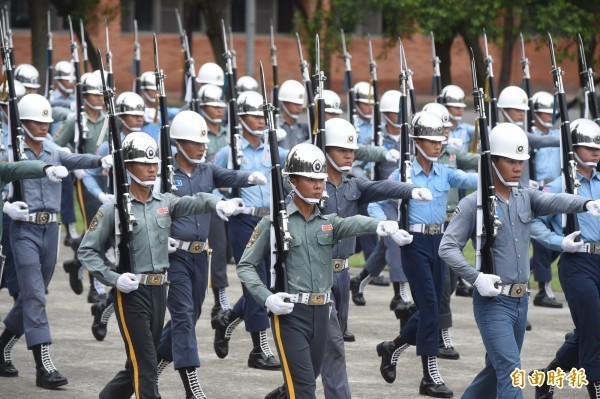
<point>96,220</point>
<point>253,237</point>
<point>456,211</point>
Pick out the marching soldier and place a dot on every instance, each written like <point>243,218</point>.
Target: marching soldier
<point>292,102</point>
<point>246,83</point>
<point>29,76</point>
<point>211,74</point>
<point>461,133</point>
<point>152,122</point>
<point>333,104</point>
<point>64,85</point>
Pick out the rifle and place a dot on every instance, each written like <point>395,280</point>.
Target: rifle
<point>84,48</point>
<point>235,130</point>
<point>319,77</point>
<point>124,218</point>
<point>16,139</point>
<point>527,86</point>
<point>166,164</point>
<point>490,91</point>
<point>487,222</point>
<point>275,91</point>
<point>567,160</point>
<point>589,87</point>
<point>109,78</point>
<point>280,235</point>
<point>405,156</point>
<point>377,135</point>
<point>8,33</point>
<point>437,76</point>
<point>136,68</point>
<point>82,129</point>
<point>191,95</point>
<point>49,62</point>
<point>411,86</point>
<point>348,81</point>
<point>308,86</point>
<point>233,61</point>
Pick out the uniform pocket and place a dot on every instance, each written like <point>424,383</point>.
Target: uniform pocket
<point>325,239</point>
<point>164,228</point>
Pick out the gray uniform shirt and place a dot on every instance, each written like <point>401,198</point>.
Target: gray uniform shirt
<point>511,247</point>
<point>296,134</point>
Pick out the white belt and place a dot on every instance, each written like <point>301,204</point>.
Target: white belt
<point>591,248</point>
<point>432,229</point>
<point>310,299</point>
<point>256,211</point>
<point>152,279</point>
<point>42,217</point>
<point>514,290</point>
<point>339,264</point>
<point>194,247</point>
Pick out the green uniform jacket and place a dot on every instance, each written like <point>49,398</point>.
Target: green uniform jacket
<point>66,134</point>
<point>308,262</point>
<point>216,142</point>
<point>149,241</point>
<point>18,171</point>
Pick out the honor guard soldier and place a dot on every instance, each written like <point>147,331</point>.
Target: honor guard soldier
<point>64,85</point>
<point>500,300</point>
<point>461,133</point>
<point>34,237</point>
<point>256,158</point>
<point>152,122</point>
<point>29,76</point>
<point>424,269</point>
<point>213,108</point>
<point>189,261</point>
<point>333,104</point>
<point>301,315</point>
<point>211,74</point>
<point>292,102</point>
<point>578,267</point>
<point>246,83</point>
<point>364,112</point>
<point>141,294</point>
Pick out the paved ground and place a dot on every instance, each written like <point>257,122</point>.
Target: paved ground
<point>89,364</point>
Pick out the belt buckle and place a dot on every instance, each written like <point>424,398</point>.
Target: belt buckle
<point>316,299</point>
<point>517,290</point>
<point>42,217</point>
<point>594,248</point>
<point>338,265</point>
<point>154,279</point>
<point>196,247</point>
<point>433,229</point>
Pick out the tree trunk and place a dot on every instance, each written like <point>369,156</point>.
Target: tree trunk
<point>38,10</point>
<point>215,11</point>
<point>443,50</point>
<point>508,39</point>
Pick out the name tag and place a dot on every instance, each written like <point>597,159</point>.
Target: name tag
<point>178,183</point>
<point>162,211</point>
<point>327,227</point>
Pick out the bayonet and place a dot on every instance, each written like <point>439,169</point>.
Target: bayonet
<point>84,51</point>
<point>437,76</point>
<point>49,62</point>
<point>310,95</point>
<point>275,91</point>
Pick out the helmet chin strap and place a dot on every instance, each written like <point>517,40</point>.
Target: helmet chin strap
<point>456,118</point>
<point>146,183</point>
<point>506,183</point>
<point>196,161</point>
<point>547,125</point>
<point>363,114</point>
<point>293,116</point>
<point>94,107</point>
<point>389,121</point>
<point>131,129</point>
<point>148,97</point>
<point>31,136</point>
<point>432,159</point>
<point>582,162</point>
<point>215,121</point>
<point>342,169</point>
<point>257,133</point>
<point>63,88</point>
<point>520,124</point>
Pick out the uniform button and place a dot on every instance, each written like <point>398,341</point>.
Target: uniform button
<point>516,239</point>
<point>512,224</point>
<point>518,256</point>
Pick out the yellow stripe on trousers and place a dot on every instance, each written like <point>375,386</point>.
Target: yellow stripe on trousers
<point>121,316</point>
<point>284,364</point>
<point>79,193</point>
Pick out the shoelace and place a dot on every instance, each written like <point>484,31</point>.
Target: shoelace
<point>264,344</point>
<point>223,299</point>
<point>8,349</point>
<point>160,367</point>
<point>195,387</point>
<point>106,313</point>
<point>231,327</point>
<point>432,369</point>
<point>404,292</point>
<point>364,282</point>
<point>46,360</point>
<point>446,338</point>
<point>397,353</point>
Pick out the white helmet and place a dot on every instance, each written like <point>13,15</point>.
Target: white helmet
<point>306,160</point>
<point>129,103</point>
<point>440,111</point>
<point>211,73</point>
<point>190,126</point>
<point>364,93</point>
<point>140,147</point>
<point>250,103</point>
<point>543,102</point>
<point>246,83</point>
<point>513,97</point>
<point>427,125</point>
<point>91,83</point>
<point>332,101</point>
<point>34,107</point>
<point>585,133</point>
<point>453,96</point>
<point>98,73</point>
<point>64,70</point>
<point>292,91</point>
<point>28,75</point>
<point>509,141</point>
<point>211,95</point>
<point>148,81</point>
<point>340,133</point>
<point>390,101</point>
<point>4,95</point>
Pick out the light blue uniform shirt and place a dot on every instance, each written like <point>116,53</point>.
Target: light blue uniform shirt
<point>153,129</point>
<point>547,160</point>
<point>92,176</point>
<point>254,160</point>
<point>4,138</point>
<point>465,132</point>
<point>365,131</point>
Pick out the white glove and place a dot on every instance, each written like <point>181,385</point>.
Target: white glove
<point>228,208</point>
<point>387,228</point>
<point>56,173</point>
<point>281,134</point>
<point>66,150</point>
<point>172,245</point>
<point>486,284</point>
<point>127,282</point>
<point>17,210</point>
<point>257,178</point>
<point>455,143</point>
<point>569,245</point>
<point>106,198</point>
<point>402,237</point>
<point>392,155</point>
<point>149,114</point>
<point>107,161</point>
<point>593,207</point>
<point>79,173</point>
<point>421,194</point>
<point>276,304</point>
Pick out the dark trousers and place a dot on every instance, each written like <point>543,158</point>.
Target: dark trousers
<point>141,316</point>
<point>449,288</point>
<point>300,338</point>
<point>541,262</point>
<point>254,315</point>
<point>9,277</point>
<point>188,274</point>
<point>425,271</point>
<point>217,237</point>
<point>67,205</point>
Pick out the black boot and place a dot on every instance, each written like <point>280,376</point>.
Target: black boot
<point>594,389</point>
<point>357,285</point>
<point>404,312</point>
<point>261,356</point>
<point>223,324</point>
<point>217,306</point>
<point>193,390</point>
<point>277,393</point>
<point>432,383</point>
<point>348,336</point>
<point>7,340</point>
<point>389,351</point>
<point>446,347</point>
<point>47,375</point>
<point>547,391</point>
<point>397,301</point>
<point>102,313</point>
<point>72,269</point>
